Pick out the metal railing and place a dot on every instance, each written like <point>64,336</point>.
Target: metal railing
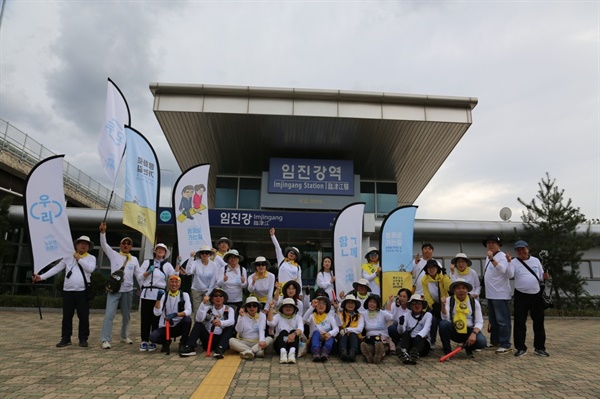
<point>27,150</point>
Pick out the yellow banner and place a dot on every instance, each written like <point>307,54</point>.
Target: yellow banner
<point>393,281</point>
<point>140,218</point>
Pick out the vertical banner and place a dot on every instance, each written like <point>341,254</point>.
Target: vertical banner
<point>46,213</point>
<point>111,145</point>
<point>190,202</point>
<point>347,246</point>
<point>142,182</point>
<point>397,233</point>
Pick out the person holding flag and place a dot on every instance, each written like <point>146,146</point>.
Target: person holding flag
<point>128,264</point>
<point>371,271</point>
<point>78,268</point>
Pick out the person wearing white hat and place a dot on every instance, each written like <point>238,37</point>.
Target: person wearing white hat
<point>460,267</point>
<point>414,329</point>
<point>123,298</point>
<point>462,319</point>
<point>371,271</point>
<point>223,245</point>
<point>204,271</point>
<point>288,329</point>
<point>351,323</point>
<point>78,268</point>
<point>251,340</point>
<point>261,283</point>
<point>152,277</point>
<point>287,262</point>
<point>232,277</point>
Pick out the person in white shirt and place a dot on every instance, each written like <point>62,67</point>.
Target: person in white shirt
<point>371,271</point>
<point>419,268</point>
<point>325,277</point>
<point>129,265</point>
<point>288,329</point>
<point>323,328</point>
<point>261,283</point>
<point>232,277</point>
<point>529,275</point>
<point>291,289</point>
<point>351,324</point>
<point>397,306</point>
<point>173,308</point>
<point>496,277</point>
<point>223,245</point>
<point>414,328</point>
<point>287,262</point>
<point>460,267</point>
<point>373,347</point>
<point>212,318</point>
<point>361,291</point>
<point>204,271</point>
<point>462,319</point>
<point>78,269</point>
<point>251,340</point>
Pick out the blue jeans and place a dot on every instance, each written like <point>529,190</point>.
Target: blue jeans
<point>499,316</point>
<point>448,332</point>
<point>113,300</point>
<point>315,343</point>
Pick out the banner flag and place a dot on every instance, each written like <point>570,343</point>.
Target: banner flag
<point>111,145</point>
<point>190,202</point>
<point>397,233</point>
<point>347,246</point>
<point>142,183</point>
<point>46,213</point>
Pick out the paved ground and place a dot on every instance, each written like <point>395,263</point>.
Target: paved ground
<point>32,367</point>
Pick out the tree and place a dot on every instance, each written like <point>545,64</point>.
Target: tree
<point>551,223</point>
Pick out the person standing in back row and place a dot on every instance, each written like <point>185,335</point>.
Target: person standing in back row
<point>419,269</point>
<point>288,266</point>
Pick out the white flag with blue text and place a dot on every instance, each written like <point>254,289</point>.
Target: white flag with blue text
<point>347,246</point>
<point>46,213</point>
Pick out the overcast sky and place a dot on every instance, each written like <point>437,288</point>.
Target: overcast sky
<point>534,66</point>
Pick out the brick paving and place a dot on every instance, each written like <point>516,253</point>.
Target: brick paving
<point>32,367</point>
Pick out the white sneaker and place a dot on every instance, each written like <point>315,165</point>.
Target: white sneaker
<point>249,355</point>
<point>283,357</point>
<point>260,353</point>
<point>105,345</point>
<point>126,340</point>
<point>292,358</point>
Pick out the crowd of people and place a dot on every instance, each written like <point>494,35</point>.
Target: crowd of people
<point>266,312</point>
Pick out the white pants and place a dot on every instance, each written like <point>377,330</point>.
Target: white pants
<point>240,345</point>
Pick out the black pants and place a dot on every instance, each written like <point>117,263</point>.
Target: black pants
<point>182,329</point>
<point>281,342</point>
<point>532,304</point>
<point>421,344</point>
<point>350,342</point>
<point>75,301</point>
<point>148,322</point>
<point>220,342</point>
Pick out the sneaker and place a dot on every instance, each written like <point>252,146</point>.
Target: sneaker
<point>248,355</point>
<point>521,352</point>
<point>188,351</point>
<point>165,347</point>
<point>151,347</point>
<point>542,353</point>
<point>63,342</point>
<point>105,345</point>
<point>126,340</point>
<point>83,343</point>
<point>218,355</point>
<point>283,357</point>
<point>143,346</point>
<point>292,358</point>
<point>492,346</point>
<point>260,353</point>
<point>503,351</point>
<point>470,354</point>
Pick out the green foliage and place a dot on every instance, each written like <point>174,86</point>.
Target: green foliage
<point>551,223</point>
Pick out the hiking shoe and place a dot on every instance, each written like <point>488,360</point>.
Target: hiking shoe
<point>470,354</point>
<point>63,342</point>
<point>83,343</point>
<point>260,353</point>
<point>188,351</point>
<point>503,351</point>
<point>492,346</point>
<point>151,347</point>
<point>143,346</point>
<point>379,353</point>
<point>105,345</point>
<point>542,353</point>
<point>126,340</point>
<point>165,347</point>
<point>248,355</point>
<point>521,352</point>
<point>367,351</point>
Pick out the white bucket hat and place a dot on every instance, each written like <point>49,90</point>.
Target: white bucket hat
<point>163,246</point>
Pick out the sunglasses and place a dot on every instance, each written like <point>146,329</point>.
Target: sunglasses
<point>218,296</point>
<point>252,305</point>
<point>260,264</point>
<point>127,243</point>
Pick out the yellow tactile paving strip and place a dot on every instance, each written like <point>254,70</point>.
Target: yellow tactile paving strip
<point>217,381</point>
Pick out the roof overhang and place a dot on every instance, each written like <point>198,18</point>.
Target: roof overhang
<point>390,137</point>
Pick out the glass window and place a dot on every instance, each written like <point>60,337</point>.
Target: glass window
<point>387,199</point>
<point>249,193</point>
<point>226,195</point>
<point>367,195</point>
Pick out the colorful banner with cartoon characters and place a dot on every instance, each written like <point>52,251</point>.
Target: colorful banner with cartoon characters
<point>142,182</point>
<point>397,233</point>
<point>111,145</point>
<point>347,246</point>
<point>190,202</point>
<point>46,213</point>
